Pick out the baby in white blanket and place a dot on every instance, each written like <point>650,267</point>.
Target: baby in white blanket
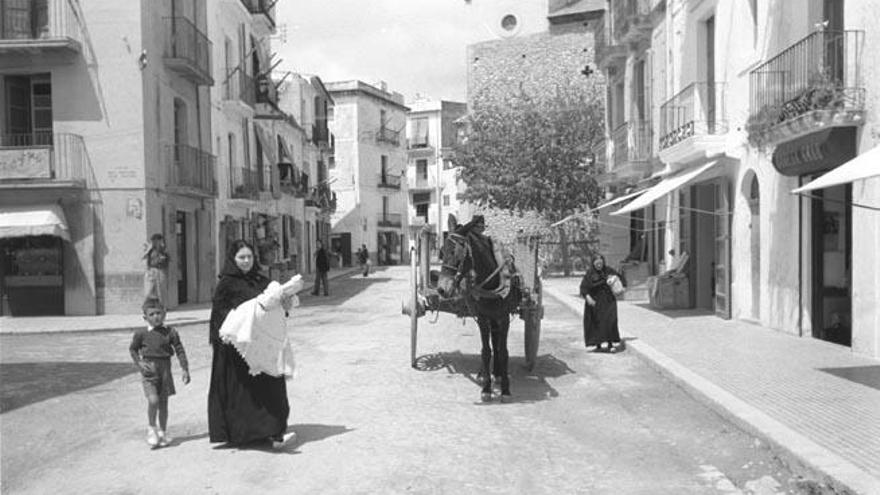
<point>258,328</point>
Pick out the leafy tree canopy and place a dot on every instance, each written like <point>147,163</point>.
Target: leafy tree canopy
<point>529,153</point>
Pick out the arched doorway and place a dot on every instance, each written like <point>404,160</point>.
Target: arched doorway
<point>751,191</point>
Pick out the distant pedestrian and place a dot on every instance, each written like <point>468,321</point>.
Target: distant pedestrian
<point>151,350</point>
<point>157,264</point>
<point>322,266</point>
<point>242,408</point>
<point>364,259</point>
<point>600,306</point>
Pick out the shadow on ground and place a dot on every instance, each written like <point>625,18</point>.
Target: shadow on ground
<point>22,384</point>
<point>676,313</point>
<point>341,289</point>
<point>305,433</point>
<point>868,376</point>
<point>525,385</point>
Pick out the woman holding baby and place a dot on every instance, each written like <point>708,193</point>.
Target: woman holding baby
<point>244,407</point>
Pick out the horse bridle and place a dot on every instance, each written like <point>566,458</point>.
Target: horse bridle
<point>461,242</point>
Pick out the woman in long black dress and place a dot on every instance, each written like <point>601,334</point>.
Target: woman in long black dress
<point>241,408</point>
<point>600,306</point>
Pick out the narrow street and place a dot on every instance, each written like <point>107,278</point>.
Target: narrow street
<point>73,415</point>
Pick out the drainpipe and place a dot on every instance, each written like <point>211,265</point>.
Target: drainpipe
<point>800,262</point>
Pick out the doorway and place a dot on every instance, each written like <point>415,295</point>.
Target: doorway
<point>754,200</point>
<point>182,280</point>
<point>341,243</point>
<point>831,246</point>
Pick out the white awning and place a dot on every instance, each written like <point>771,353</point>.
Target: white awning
<point>665,187</point>
<point>267,142</point>
<point>21,221</point>
<point>863,166</point>
<point>606,204</point>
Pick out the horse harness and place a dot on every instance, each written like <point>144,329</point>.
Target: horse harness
<point>461,243</point>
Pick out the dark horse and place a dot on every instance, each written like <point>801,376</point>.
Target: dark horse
<point>470,271</point>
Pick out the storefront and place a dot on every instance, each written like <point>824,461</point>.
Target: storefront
<point>31,260</point>
<point>826,230</point>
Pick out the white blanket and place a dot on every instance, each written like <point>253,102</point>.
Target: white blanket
<point>258,328</point>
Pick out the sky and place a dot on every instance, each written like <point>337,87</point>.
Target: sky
<point>416,46</point>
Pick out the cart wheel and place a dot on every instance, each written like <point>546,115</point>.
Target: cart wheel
<point>532,337</point>
<point>414,304</point>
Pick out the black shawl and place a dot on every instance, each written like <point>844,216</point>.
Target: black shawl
<point>234,288</point>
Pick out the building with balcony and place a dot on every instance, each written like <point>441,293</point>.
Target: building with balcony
<point>431,175</point>
<point>370,158</point>
<point>748,105</point>
<point>105,139</point>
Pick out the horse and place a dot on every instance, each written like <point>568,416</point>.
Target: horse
<point>470,270</point>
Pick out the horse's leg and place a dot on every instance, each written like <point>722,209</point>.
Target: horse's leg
<point>486,355</point>
<point>502,356</point>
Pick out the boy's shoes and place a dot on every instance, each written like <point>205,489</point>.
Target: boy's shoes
<point>164,440</point>
<point>152,437</point>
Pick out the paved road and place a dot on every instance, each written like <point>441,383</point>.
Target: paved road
<point>73,416</point>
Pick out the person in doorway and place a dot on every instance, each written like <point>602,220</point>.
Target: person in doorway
<point>322,266</point>
<point>151,350</point>
<point>600,306</point>
<point>242,408</point>
<point>157,265</point>
<point>364,259</point>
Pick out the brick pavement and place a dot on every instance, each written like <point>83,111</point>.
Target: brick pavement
<point>791,391</point>
<point>190,314</point>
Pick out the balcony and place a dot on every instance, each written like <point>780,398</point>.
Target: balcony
<point>389,181</point>
<point>191,170</point>
<point>33,27</point>
<point>265,90</point>
<point>188,50</point>
<point>245,184</point>
<point>632,150</point>
<point>390,220</point>
<point>386,135</point>
<point>240,87</point>
<point>320,133</point>
<point>812,85</point>
<point>322,197</point>
<point>44,158</point>
<point>263,10</point>
<point>693,123</point>
<point>607,51</point>
<point>632,20</point>
<point>290,180</point>
<point>421,183</point>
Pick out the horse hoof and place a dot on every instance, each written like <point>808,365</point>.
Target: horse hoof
<point>506,398</point>
<point>486,396</point>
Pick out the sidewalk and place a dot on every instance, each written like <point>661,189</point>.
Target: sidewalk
<point>815,400</point>
<point>189,314</point>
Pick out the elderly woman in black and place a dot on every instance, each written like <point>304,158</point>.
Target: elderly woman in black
<point>241,408</point>
<point>600,306</point>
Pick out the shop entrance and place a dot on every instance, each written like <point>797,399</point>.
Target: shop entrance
<point>830,224</point>
<point>341,243</point>
<point>31,276</point>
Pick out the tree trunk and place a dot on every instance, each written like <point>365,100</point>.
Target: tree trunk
<point>563,245</point>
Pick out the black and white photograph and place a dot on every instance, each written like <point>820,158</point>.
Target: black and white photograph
<point>440,247</point>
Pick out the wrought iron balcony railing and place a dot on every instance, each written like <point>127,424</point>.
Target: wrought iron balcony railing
<point>697,110</point>
<point>632,143</point>
<point>188,50</point>
<point>245,183</point>
<point>191,168</point>
<point>631,18</point>
<point>390,220</point>
<point>386,135</point>
<point>389,181</point>
<point>261,7</point>
<point>240,87</point>
<point>44,155</point>
<point>39,24</point>
<point>820,72</point>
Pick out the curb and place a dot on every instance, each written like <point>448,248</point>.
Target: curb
<point>190,321</point>
<point>823,464</point>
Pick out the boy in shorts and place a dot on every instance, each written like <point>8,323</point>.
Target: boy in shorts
<point>151,349</point>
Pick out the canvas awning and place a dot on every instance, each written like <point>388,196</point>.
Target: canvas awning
<point>267,143</point>
<point>863,166</point>
<point>21,221</point>
<point>606,204</point>
<point>666,186</point>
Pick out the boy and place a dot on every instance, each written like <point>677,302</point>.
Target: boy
<point>151,349</point>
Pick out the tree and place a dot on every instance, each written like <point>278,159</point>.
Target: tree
<point>535,153</point>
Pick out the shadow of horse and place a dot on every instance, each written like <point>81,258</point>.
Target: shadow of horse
<point>526,386</point>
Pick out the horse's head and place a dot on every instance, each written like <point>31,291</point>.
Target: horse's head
<point>456,256</point>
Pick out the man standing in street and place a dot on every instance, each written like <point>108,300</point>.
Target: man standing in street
<point>322,265</point>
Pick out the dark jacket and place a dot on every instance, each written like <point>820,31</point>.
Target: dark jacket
<point>322,262</point>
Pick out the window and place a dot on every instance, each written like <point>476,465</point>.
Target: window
<point>246,142</point>
<point>445,200</point>
<point>382,119</point>
<point>641,100</point>
<point>180,135</point>
<point>422,210</point>
<point>422,169</point>
<point>28,110</point>
<point>384,169</point>
<point>420,133</point>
